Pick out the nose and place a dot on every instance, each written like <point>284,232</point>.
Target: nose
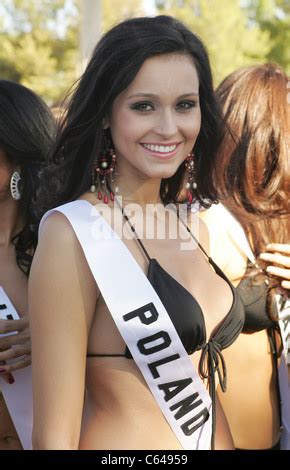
<point>166,125</point>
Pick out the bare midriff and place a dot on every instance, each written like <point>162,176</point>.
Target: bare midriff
<point>251,386</point>
<point>121,413</point>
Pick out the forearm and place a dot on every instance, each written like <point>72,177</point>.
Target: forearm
<point>53,442</point>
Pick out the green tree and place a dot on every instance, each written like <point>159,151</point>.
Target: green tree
<point>39,45</point>
<point>117,10</point>
<point>273,17</point>
<point>224,28</point>
<point>40,41</point>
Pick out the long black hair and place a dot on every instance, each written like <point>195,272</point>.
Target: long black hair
<point>26,132</point>
<point>114,64</point>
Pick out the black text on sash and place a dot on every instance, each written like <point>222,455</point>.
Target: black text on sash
<point>156,343</point>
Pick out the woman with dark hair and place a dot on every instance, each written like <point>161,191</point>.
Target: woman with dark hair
<point>26,129</point>
<point>143,104</point>
<point>253,182</point>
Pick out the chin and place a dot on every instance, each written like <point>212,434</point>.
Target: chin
<point>167,174</point>
<point>162,173</point>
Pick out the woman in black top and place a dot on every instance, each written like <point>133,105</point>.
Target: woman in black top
<point>253,182</point>
<point>145,101</point>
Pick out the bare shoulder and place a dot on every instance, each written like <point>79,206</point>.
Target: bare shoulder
<point>59,257</point>
<point>56,231</point>
<point>58,241</point>
<point>56,227</point>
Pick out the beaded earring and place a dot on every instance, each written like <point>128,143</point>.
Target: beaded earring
<point>104,172</point>
<point>190,184</point>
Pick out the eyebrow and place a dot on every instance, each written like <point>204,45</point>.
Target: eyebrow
<point>152,95</point>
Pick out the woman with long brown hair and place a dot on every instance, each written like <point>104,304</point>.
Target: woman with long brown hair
<point>253,181</point>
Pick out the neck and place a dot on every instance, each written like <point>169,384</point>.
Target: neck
<point>10,221</point>
<point>141,192</point>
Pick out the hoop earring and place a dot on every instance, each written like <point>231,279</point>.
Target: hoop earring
<point>14,188</point>
<point>104,172</point>
<point>190,184</point>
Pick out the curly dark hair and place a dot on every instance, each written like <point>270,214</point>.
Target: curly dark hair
<point>114,64</point>
<point>27,129</point>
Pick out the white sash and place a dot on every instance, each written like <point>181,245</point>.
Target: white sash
<point>145,326</point>
<point>18,396</point>
<point>238,236</point>
<point>284,323</point>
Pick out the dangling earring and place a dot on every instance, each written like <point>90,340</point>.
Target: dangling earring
<point>190,184</point>
<point>14,188</point>
<point>104,172</point>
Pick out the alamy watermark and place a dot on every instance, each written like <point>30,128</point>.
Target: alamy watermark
<point>152,222</point>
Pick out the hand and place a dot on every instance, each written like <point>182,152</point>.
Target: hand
<point>14,346</point>
<point>280,255</point>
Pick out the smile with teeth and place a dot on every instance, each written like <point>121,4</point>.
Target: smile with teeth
<point>160,148</point>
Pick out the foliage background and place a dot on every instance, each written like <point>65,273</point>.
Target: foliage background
<point>40,38</point>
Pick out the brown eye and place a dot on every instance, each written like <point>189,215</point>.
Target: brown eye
<point>185,105</point>
<point>142,106</point>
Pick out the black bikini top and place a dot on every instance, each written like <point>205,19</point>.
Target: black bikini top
<point>254,298</point>
<point>257,319</point>
<point>188,320</point>
<point>184,310</point>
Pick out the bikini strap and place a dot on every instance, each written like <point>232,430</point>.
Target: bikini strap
<point>136,236</point>
<point>195,239</point>
<point>210,260</point>
<point>133,230</point>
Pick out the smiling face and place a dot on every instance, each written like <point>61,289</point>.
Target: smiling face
<point>154,122</point>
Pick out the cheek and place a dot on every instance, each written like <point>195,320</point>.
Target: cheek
<point>197,124</point>
<point>191,128</point>
<point>5,175</point>
<point>125,130</point>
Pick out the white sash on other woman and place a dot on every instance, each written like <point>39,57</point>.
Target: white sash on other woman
<point>284,323</point>
<point>145,326</point>
<point>238,237</point>
<point>17,396</point>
